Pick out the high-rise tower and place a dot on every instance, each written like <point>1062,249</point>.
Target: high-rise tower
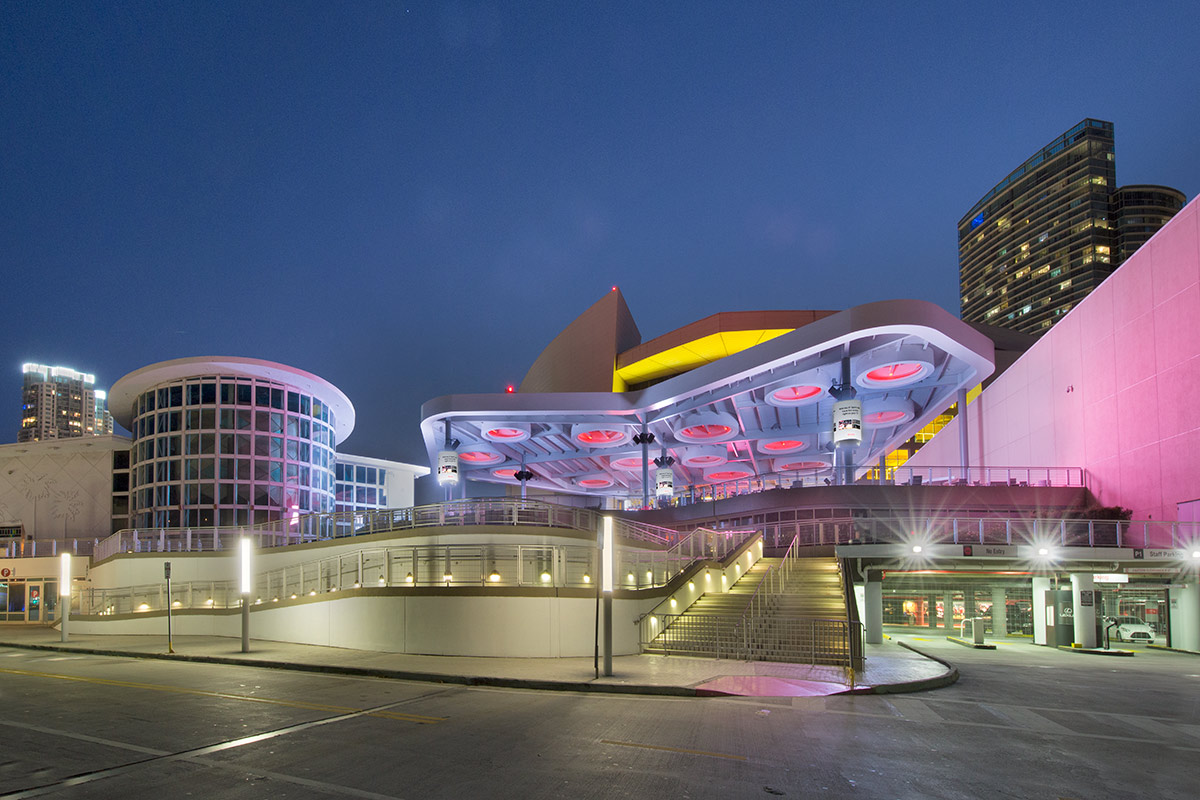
<point>1040,240</point>
<point>60,403</point>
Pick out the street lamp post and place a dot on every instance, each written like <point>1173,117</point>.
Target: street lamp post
<point>64,593</point>
<point>245,587</point>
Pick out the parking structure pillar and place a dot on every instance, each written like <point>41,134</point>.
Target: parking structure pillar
<point>1040,587</point>
<point>1184,601</point>
<point>999,612</point>
<point>873,613</point>
<point>931,612</point>
<point>948,612</point>
<point>1083,596</point>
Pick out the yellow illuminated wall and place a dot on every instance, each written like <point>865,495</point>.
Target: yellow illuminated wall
<point>682,358</point>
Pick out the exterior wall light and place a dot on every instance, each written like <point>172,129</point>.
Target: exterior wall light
<point>408,578</point>
<point>691,586</point>
<point>494,577</point>
<point>447,577</point>
<point>916,548</point>
<point>587,578</point>
<point>545,577</point>
<point>673,603</point>
<point>382,581</point>
<point>654,622</point>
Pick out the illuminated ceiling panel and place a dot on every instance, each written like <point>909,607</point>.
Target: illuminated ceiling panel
<point>725,377</point>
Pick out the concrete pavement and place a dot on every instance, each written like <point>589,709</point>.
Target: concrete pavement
<point>889,667</point>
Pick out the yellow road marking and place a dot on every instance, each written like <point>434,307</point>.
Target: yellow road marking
<point>397,715</point>
<point>674,749</point>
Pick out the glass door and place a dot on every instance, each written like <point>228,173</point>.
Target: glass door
<point>33,605</point>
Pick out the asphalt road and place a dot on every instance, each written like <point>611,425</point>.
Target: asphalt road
<point>1023,722</point>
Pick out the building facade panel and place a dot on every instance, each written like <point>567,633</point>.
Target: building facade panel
<point>1126,404</point>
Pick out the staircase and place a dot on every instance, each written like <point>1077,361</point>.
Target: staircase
<point>711,626</point>
<point>802,619</point>
<point>805,622</point>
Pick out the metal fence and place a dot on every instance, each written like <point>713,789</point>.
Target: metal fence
<point>433,565</point>
<point>314,527</point>
<point>984,476</point>
<point>805,640</point>
<point>985,530</point>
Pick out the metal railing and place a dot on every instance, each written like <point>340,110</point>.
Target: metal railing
<point>760,633</point>
<point>33,548</point>
<point>983,476</point>
<point>314,527</point>
<point>454,565</point>
<point>985,530</point>
<point>806,640</point>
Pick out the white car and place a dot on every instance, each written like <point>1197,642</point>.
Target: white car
<point>1131,629</point>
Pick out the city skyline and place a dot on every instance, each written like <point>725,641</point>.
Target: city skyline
<point>375,198</point>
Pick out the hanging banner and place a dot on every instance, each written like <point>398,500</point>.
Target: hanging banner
<point>847,421</point>
<point>447,468</point>
<point>664,481</point>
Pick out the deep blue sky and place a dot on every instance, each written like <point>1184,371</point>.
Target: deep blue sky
<point>412,201</point>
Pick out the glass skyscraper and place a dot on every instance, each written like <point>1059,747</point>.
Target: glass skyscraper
<point>61,403</point>
<point>1040,240</point>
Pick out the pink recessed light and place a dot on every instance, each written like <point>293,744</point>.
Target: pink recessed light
<point>505,473</point>
<point>895,372</point>
<point>881,417</point>
<point>595,483</point>
<point>782,444</point>
<point>506,433</point>
<point>705,431</point>
<point>792,394</point>
<point>728,475</point>
<point>480,456</point>
<point>600,436</point>
<point>704,461</point>
<point>795,465</point>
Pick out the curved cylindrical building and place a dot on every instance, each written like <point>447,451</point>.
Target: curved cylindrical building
<point>229,441</point>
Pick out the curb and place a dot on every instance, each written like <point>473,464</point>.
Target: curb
<point>1173,649</point>
<point>372,672</point>
<point>972,645</point>
<point>950,676</point>
<point>1094,651</point>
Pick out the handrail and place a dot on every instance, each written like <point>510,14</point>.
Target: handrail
<point>315,527</point>
<point>986,530</point>
<point>854,644</point>
<point>948,475</point>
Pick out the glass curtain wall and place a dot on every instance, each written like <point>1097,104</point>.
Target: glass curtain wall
<point>229,451</point>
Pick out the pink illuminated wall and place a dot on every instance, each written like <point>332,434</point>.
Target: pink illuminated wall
<point>1114,387</point>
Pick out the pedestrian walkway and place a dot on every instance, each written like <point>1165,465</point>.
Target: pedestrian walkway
<point>889,667</point>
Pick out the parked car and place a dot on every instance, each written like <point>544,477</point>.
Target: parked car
<point>1130,629</point>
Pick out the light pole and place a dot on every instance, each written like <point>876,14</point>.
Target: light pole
<point>607,564</point>
<point>64,593</point>
<point>245,587</point>
<point>167,575</point>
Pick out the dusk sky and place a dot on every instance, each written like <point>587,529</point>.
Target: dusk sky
<point>413,200</point>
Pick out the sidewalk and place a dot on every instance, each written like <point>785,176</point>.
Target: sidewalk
<point>889,666</point>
